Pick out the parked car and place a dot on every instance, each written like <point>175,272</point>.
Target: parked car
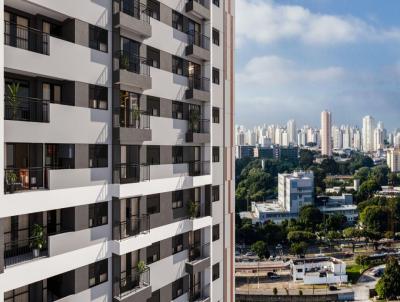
<point>250,254</point>
<point>332,287</point>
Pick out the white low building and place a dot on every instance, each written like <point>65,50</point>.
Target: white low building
<point>331,205</point>
<point>270,211</point>
<point>320,270</point>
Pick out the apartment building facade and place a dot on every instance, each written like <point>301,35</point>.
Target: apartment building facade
<point>118,160</point>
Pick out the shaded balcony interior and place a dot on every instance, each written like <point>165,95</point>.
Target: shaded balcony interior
<point>127,164</point>
<point>198,45</point>
<point>26,236</point>
<point>27,165</point>
<point>199,128</point>
<point>131,277</point>
<point>199,256</point>
<point>198,8</point>
<point>199,289</point>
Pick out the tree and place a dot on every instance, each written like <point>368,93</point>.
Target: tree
<point>380,174</point>
<point>310,216</point>
<point>299,236</point>
<point>393,179</point>
<point>299,248</point>
<point>330,166</point>
<point>261,249</point>
<point>335,222</point>
<point>367,189</point>
<point>306,158</point>
<point>362,174</point>
<point>388,287</point>
<point>375,219</point>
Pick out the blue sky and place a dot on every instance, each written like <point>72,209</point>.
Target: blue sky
<point>296,58</point>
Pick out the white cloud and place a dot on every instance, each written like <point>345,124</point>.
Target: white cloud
<point>274,70</point>
<point>266,22</point>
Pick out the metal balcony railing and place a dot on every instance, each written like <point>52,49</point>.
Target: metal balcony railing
<point>132,281</point>
<point>199,251</point>
<point>198,168</point>
<point>22,250</point>
<point>133,63</point>
<point>132,227</point>
<point>198,39</point>
<point>131,173</point>
<point>199,126</point>
<point>21,179</point>
<point>26,109</point>
<point>134,119</point>
<point>26,38</point>
<point>136,10</point>
<point>199,83</point>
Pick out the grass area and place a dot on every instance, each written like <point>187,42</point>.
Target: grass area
<point>354,272</point>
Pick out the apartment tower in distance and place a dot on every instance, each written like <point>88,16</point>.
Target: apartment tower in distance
<point>326,133</point>
<point>117,151</point>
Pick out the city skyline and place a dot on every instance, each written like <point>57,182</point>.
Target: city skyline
<point>317,55</point>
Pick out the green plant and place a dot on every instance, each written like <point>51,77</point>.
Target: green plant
<point>141,267</point>
<point>194,119</point>
<point>193,209</point>
<point>12,97</point>
<point>11,177</point>
<point>135,112</point>
<point>124,61</point>
<point>38,237</point>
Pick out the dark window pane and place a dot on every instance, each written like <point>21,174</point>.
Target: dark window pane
<point>153,204</point>
<point>215,115</point>
<point>98,97</point>
<point>98,156</point>
<point>153,106</point>
<point>98,38</point>
<point>98,272</point>
<point>98,214</point>
<point>153,155</point>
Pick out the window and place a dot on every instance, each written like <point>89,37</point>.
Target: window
<point>98,38</point>
<point>177,154</point>
<point>153,155</point>
<point>98,272</point>
<point>215,271</point>
<point>177,244</point>
<point>215,230</point>
<point>177,20</point>
<point>153,204</point>
<point>153,9</point>
<point>54,30</point>
<point>153,253</point>
<point>98,97</point>
<point>153,106</point>
<point>60,156</point>
<point>215,36</point>
<point>178,65</point>
<point>98,156</point>
<point>153,57</point>
<point>216,2</point>
<point>177,199</point>
<point>177,110</point>
<point>98,214</point>
<point>215,115</point>
<point>215,154</point>
<point>51,92</point>
<point>215,76</point>
<point>215,193</point>
<point>177,288</point>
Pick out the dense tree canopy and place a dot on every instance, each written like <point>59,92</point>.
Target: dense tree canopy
<point>310,216</point>
<point>388,287</point>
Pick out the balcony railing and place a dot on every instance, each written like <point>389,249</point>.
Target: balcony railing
<point>134,119</point>
<point>199,83</point>
<point>26,109</point>
<point>26,38</point>
<point>198,39</point>
<point>198,168</point>
<point>197,292</point>
<point>205,3</point>
<point>132,281</point>
<point>22,179</point>
<point>136,10</point>
<point>18,251</point>
<point>133,63</point>
<point>131,173</point>
<point>199,251</point>
<point>132,227</point>
<point>200,126</point>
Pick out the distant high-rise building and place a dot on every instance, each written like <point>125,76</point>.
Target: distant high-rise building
<point>292,132</point>
<point>368,133</point>
<point>357,139</point>
<point>326,135</point>
<point>393,159</point>
<point>379,137</point>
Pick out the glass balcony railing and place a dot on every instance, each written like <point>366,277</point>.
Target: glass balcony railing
<point>136,10</point>
<point>132,281</point>
<point>22,179</point>
<point>133,63</point>
<point>199,251</point>
<point>132,173</point>
<point>26,109</point>
<point>131,227</point>
<point>199,83</point>
<point>198,39</point>
<point>199,168</point>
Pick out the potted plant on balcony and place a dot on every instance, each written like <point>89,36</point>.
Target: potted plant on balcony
<point>194,119</point>
<point>141,268</point>
<point>12,98</point>
<point>135,116</point>
<point>38,239</point>
<point>11,180</point>
<point>124,61</point>
<point>193,209</point>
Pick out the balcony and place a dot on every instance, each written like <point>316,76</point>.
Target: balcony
<point>199,168</point>
<point>25,179</point>
<point>134,127</point>
<point>133,20</point>
<point>133,71</point>
<point>199,258</point>
<point>133,286</point>
<point>26,109</point>
<point>131,173</point>
<point>198,8</point>
<point>198,293</point>
<point>198,89</point>
<point>198,46</point>
<point>26,38</point>
<point>18,251</point>
<point>134,226</point>
<point>198,132</point>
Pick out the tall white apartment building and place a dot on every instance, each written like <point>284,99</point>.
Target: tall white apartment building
<point>368,133</point>
<point>295,190</point>
<point>292,132</point>
<point>357,140</point>
<point>393,159</point>
<point>326,133</point>
<point>117,133</point>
